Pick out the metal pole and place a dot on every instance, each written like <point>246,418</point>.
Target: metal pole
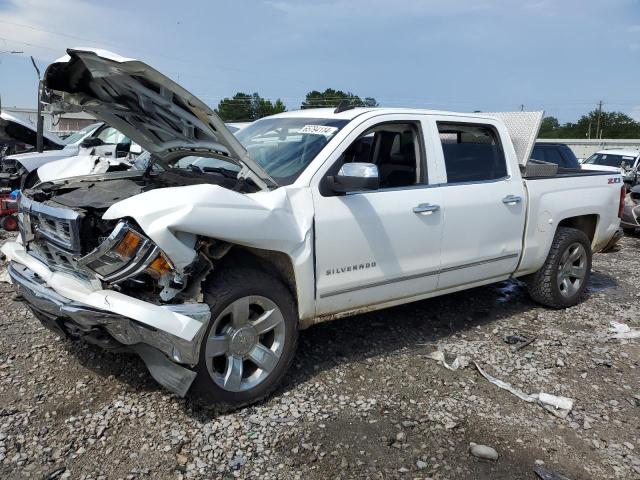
<point>39,142</point>
<point>598,132</point>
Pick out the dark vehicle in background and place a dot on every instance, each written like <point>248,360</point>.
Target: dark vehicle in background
<point>557,153</point>
<point>18,135</point>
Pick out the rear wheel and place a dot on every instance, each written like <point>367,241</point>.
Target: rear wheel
<point>565,274</point>
<point>250,341</point>
<point>629,231</point>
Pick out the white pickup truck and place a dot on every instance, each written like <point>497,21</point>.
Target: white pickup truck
<point>209,262</point>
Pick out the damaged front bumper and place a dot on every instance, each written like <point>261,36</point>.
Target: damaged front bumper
<point>80,309</point>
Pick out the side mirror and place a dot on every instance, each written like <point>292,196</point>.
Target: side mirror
<point>354,177</point>
<point>91,142</point>
<point>135,149</point>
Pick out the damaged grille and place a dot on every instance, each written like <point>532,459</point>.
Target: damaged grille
<point>50,234</point>
<point>53,256</point>
<point>45,224</point>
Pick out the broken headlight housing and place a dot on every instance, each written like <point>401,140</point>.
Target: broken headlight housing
<point>126,253</point>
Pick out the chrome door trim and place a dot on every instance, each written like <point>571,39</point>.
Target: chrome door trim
<point>418,275</point>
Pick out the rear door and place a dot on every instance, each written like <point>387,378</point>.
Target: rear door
<point>483,202</point>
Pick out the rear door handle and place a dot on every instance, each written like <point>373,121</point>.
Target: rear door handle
<point>426,209</point>
<point>511,199</point>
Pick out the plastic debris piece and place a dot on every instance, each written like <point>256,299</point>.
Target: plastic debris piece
<point>513,339</point>
<point>624,331</point>
<point>525,344</point>
<point>545,474</point>
<point>558,406</point>
<point>4,276</point>
<point>55,473</point>
<point>505,386</point>
<point>458,363</point>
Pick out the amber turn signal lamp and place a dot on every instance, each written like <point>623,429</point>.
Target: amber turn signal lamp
<point>159,267</point>
<point>128,245</point>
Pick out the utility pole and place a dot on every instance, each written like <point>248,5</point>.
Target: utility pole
<point>598,132</point>
<point>39,143</point>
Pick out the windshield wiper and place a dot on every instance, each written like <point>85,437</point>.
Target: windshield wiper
<point>223,171</point>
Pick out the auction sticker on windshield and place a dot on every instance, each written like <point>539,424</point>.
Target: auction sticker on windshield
<point>325,130</point>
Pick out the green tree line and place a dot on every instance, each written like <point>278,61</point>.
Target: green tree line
<point>594,124</point>
<point>243,107</point>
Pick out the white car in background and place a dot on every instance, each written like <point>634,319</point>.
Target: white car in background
<point>91,161</point>
<point>72,147</point>
<point>235,127</point>
<point>625,162</point>
<point>618,161</point>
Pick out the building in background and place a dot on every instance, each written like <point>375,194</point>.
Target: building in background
<point>61,125</point>
<point>584,148</point>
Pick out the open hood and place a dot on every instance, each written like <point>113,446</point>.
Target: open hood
<point>152,110</point>
<point>14,129</point>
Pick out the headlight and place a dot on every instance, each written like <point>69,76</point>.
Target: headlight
<point>124,254</point>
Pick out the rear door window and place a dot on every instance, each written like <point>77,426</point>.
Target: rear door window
<point>552,155</point>
<point>472,153</point>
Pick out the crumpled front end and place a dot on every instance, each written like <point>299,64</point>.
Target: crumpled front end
<point>121,261</point>
<point>78,293</point>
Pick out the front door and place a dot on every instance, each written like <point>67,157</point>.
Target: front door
<point>377,246</point>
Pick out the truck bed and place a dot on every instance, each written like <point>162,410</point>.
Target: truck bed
<point>540,171</point>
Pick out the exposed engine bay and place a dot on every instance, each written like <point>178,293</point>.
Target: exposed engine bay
<point>62,226</point>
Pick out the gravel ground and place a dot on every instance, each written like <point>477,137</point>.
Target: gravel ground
<point>363,399</point>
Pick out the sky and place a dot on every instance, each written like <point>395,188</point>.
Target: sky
<point>561,56</point>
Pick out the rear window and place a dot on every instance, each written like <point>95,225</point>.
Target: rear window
<point>472,153</point>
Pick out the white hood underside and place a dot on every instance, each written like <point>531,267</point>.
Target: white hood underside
<point>152,110</point>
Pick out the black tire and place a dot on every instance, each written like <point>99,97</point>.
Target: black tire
<point>543,285</point>
<point>629,231</point>
<point>227,286</point>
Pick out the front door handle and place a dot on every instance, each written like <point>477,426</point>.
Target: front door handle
<point>426,209</point>
<point>511,199</point>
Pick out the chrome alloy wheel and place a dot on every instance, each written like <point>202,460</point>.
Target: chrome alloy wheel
<point>245,343</point>
<point>572,269</point>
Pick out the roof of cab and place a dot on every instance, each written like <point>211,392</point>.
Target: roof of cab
<point>620,151</point>
<point>350,114</point>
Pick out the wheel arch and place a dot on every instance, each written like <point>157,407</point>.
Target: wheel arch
<point>275,263</point>
<point>585,223</point>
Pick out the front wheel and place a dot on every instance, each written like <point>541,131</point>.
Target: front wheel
<point>250,341</point>
<point>565,274</point>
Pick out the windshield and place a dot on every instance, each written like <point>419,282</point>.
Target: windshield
<point>284,147</point>
<point>80,134</point>
<point>609,160</point>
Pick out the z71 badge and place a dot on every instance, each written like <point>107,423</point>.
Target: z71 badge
<point>615,180</point>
